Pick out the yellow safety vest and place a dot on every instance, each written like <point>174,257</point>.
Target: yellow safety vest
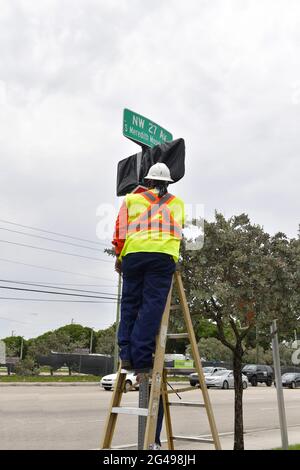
<point>153,225</point>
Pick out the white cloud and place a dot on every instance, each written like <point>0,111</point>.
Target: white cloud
<point>223,74</point>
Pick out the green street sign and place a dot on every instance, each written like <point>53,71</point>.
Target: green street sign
<point>143,131</point>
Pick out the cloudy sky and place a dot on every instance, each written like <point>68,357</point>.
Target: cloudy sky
<point>223,74</point>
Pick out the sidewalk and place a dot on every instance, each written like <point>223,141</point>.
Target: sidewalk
<point>260,439</point>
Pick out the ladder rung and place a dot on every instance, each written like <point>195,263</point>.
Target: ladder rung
<point>130,411</point>
<point>177,335</point>
<point>175,307</point>
<point>180,390</point>
<point>192,438</point>
<point>186,403</point>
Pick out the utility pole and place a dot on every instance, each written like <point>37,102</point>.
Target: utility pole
<point>21,350</point>
<point>256,334</point>
<point>116,349</point>
<point>91,341</point>
<point>13,332</point>
<point>279,390</point>
<point>256,342</point>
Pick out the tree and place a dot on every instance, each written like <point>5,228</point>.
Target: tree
<point>79,335</point>
<point>241,275</point>
<point>211,349</point>
<point>64,339</point>
<point>13,346</point>
<point>58,341</point>
<point>265,356</point>
<point>27,367</point>
<point>106,340</point>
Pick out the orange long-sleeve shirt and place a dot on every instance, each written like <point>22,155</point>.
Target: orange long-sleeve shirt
<point>120,229</point>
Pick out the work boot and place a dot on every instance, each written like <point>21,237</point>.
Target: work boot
<point>154,446</point>
<point>140,376</point>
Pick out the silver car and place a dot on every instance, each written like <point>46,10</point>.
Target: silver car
<point>223,379</point>
<point>209,370</point>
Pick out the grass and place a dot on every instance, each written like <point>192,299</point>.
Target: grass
<point>45,378</point>
<point>65,378</point>
<point>293,447</point>
<point>178,379</point>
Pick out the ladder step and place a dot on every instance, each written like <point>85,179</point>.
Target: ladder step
<point>129,411</point>
<point>175,307</point>
<point>192,438</point>
<point>181,390</point>
<point>186,403</point>
<point>177,335</point>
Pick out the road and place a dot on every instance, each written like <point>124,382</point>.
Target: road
<point>72,417</point>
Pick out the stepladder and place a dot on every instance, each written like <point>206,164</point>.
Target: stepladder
<point>154,387</point>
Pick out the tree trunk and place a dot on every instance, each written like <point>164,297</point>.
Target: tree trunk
<point>238,399</point>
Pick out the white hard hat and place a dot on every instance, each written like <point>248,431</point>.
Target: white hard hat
<point>160,172</point>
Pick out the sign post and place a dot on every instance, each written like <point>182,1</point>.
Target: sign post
<point>280,398</point>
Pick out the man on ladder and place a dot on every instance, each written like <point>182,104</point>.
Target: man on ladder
<point>147,241</point>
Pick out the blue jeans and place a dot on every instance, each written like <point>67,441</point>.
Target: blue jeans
<point>147,280</point>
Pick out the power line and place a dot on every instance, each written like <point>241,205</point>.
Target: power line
<point>59,300</point>
<point>60,288</point>
<point>71,284</point>
<point>55,251</point>
<point>48,231</point>
<point>52,269</point>
<point>37,283</point>
<point>56,293</point>
<point>16,321</point>
<point>51,239</point>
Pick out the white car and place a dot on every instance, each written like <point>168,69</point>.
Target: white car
<point>194,379</point>
<point>108,381</point>
<point>223,379</point>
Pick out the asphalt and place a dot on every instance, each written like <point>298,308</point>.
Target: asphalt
<point>73,417</point>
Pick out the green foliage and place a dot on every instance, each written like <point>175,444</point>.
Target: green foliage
<point>242,273</point>
<point>106,340</point>
<point>79,335</point>
<point>64,339</point>
<point>13,346</point>
<point>264,356</point>
<point>26,367</point>
<point>50,341</point>
<point>286,352</point>
<point>47,378</point>
<point>211,349</point>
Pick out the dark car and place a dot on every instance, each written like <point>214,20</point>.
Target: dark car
<point>291,379</point>
<point>258,373</point>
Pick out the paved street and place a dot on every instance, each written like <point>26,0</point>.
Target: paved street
<point>72,417</point>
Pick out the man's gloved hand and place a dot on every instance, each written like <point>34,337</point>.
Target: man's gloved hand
<point>118,266</point>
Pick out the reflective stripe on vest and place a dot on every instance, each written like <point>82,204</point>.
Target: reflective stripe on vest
<point>148,195</point>
<point>146,221</point>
